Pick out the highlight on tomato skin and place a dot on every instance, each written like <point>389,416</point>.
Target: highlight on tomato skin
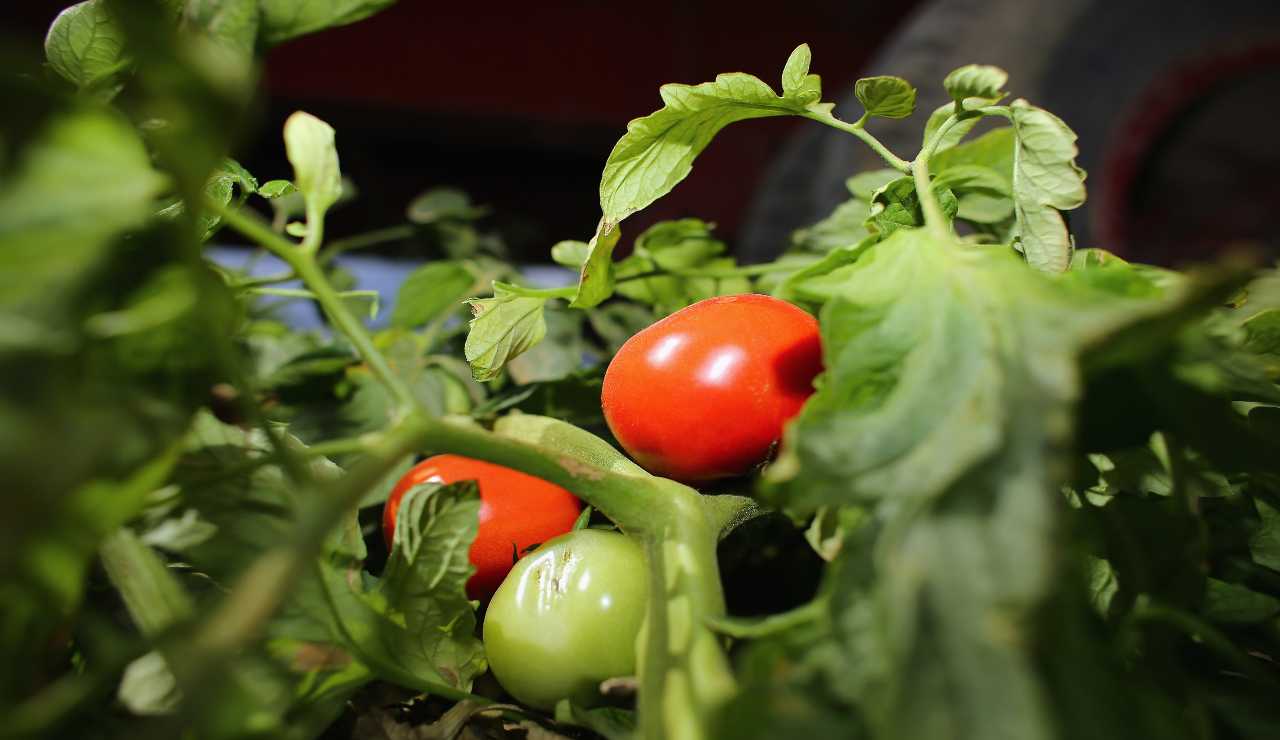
<point>705,392</point>
<point>517,511</point>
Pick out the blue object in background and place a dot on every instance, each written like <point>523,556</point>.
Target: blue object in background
<point>371,273</point>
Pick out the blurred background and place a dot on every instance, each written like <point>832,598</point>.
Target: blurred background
<point>518,104</point>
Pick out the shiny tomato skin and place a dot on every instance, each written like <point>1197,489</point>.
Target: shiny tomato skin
<point>567,617</point>
<point>517,511</point>
<point>705,392</point>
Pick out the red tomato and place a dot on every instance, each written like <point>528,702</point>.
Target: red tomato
<point>704,393</point>
<point>517,511</point>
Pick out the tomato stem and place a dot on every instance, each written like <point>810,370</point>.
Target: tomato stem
<point>893,160</point>
<point>303,261</point>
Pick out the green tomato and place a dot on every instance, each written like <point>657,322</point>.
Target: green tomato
<point>566,618</point>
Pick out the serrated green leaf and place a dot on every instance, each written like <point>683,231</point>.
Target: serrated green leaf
<point>844,227</point>
<point>886,96</point>
<point>865,184</point>
<point>428,628</point>
<point>439,204</point>
<point>1232,603</point>
<point>896,205</point>
<point>309,143</point>
<point>558,355</point>
<point>504,326</point>
<point>983,193</point>
<point>1262,332</point>
<point>960,129</point>
<point>673,246</point>
<point>658,150</point>
<point>976,81</point>
<point>285,19</point>
<point>1046,181</point>
<point>1264,544</point>
<point>86,179</point>
<point>230,180</point>
<point>232,24</point>
<point>595,280</point>
<point>276,189</point>
<point>85,44</point>
<point>919,367</point>
<point>431,291</point>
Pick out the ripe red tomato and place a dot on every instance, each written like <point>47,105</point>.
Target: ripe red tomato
<point>704,393</point>
<point>517,511</point>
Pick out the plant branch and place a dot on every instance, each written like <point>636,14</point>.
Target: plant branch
<point>362,241</point>
<point>856,129</point>
<point>264,280</point>
<point>305,266</point>
<point>933,218</point>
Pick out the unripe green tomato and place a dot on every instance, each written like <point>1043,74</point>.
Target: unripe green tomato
<point>566,618</point>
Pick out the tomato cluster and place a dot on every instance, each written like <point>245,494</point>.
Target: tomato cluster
<point>702,394</point>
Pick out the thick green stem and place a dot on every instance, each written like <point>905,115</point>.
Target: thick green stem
<point>934,220</point>
<point>684,673</point>
<point>857,130</point>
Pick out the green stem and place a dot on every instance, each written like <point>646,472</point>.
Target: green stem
<point>933,218</point>
<point>857,130</point>
<point>521,290</point>
<point>258,282</point>
<point>1191,625</point>
<point>684,673</point>
<point>725,272</point>
<point>305,266</point>
<point>932,144</point>
<point>362,241</point>
<point>315,230</point>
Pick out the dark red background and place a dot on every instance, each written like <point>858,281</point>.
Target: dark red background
<point>519,103</point>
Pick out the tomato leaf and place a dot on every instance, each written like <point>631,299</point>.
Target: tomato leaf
<point>960,129</point>
<point>1046,181</point>
<point>896,206</point>
<point>427,633</point>
<point>85,44</point>
<point>595,280</point>
<point>558,355</point>
<point>285,19</point>
<point>886,96</point>
<point>431,291</point>
<point>658,150</point>
<point>441,204</point>
<point>845,226</point>
<point>913,364</point>
<point>86,179</point>
<point>670,247</point>
<point>976,81</point>
<point>504,326</point>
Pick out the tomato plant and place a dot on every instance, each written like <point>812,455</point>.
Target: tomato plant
<point>517,511</point>
<point>566,618</point>
<point>1040,483</point>
<point>732,370</point>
